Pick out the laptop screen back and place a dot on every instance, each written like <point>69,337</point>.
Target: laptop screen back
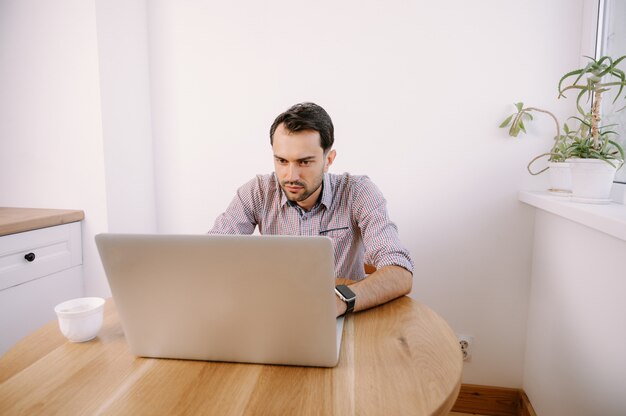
<point>257,299</point>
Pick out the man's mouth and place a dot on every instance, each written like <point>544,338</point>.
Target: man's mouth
<point>293,188</point>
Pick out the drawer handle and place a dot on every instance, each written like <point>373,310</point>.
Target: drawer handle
<point>30,257</point>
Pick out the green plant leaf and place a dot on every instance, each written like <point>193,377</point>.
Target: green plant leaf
<point>578,106</point>
<point>506,121</point>
<point>618,60</point>
<point>618,147</point>
<point>578,72</point>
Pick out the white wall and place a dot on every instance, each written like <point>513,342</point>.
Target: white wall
<point>50,115</point>
<point>75,127</point>
<point>416,91</point>
<point>122,27</point>
<point>575,362</point>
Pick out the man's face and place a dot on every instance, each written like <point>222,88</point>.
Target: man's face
<point>300,164</point>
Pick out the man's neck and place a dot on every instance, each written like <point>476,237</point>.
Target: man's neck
<point>313,199</point>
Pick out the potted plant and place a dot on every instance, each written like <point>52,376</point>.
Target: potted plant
<point>590,149</point>
<point>592,152</point>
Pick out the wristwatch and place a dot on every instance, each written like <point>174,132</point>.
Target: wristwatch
<point>346,295</point>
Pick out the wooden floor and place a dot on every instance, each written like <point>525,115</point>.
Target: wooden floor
<point>462,414</point>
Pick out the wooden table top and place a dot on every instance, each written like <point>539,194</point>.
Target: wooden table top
<point>17,220</point>
<point>397,359</point>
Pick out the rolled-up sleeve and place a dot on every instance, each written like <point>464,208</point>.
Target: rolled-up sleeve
<point>380,234</point>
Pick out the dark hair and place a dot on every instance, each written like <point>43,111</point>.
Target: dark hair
<point>307,116</point>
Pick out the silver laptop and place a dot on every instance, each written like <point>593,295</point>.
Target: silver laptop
<point>253,299</point>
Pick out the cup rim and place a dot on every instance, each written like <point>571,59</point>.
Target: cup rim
<point>94,304</point>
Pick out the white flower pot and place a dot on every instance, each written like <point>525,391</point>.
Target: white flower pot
<point>560,178</point>
<point>592,180</point>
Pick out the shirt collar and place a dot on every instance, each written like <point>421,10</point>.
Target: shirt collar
<point>327,191</point>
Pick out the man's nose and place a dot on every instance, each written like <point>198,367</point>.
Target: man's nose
<point>293,172</point>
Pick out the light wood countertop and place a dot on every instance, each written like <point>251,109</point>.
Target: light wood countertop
<point>397,359</point>
<point>17,220</point>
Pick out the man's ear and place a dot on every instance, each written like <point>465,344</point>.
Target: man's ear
<point>329,158</point>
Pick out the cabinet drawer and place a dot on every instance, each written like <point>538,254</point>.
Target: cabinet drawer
<point>54,249</point>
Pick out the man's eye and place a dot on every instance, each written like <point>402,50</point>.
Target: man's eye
<point>305,163</point>
<point>281,161</point>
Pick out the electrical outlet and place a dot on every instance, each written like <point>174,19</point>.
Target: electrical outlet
<point>465,342</point>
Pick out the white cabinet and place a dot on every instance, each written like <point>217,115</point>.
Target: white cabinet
<point>38,269</point>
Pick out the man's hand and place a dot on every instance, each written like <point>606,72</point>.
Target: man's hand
<point>385,284</point>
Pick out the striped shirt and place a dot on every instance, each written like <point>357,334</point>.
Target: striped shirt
<point>351,211</point>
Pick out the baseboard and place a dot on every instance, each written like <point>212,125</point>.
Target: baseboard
<point>526,408</point>
<point>493,401</point>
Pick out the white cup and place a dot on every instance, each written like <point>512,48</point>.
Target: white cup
<point>80,319</point>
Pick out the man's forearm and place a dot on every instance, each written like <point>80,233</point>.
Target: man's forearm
<point>385,284</point>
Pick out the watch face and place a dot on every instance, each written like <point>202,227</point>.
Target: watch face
<point>346,292</point>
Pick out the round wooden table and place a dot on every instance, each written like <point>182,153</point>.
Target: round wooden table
<point>400,358</point>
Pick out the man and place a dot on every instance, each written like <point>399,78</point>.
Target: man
<point>302,198</point>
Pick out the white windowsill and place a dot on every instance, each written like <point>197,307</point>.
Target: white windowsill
<point>609,218</point>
